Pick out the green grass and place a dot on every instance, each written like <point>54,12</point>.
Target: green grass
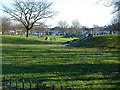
<point>57,37</point>
<point>18,39</point>
<point>62,65</point>
<point>100,41</point>
<point>73,35</point>
<point>33,39</point>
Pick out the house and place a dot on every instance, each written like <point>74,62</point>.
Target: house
<point>54,31</point>
<point>102,31</point>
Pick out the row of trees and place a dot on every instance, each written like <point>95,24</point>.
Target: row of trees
<point>29,12</point>
<point>115,22</point>
<point>75,26</point>
<point>8,25</point>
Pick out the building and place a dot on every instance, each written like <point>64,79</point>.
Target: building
<point>54,31</point>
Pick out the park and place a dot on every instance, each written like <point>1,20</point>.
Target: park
<point>59,65</point>
<point>74,47</point>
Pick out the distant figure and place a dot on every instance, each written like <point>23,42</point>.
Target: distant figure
<point>46,38</point>
<point>110,32</point>
<point>90,35</point>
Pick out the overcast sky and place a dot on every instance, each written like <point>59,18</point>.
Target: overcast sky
<point>86,11</point>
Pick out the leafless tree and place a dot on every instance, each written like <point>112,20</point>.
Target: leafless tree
<point>116,12</point>
<point>76,27</point>
<point>95,29</point>
<point>40,27</point>
<point>28,12</point>
<point>64,26</point>
<point>76,24</point>
<point>6,24</point>
<point>0,26</point>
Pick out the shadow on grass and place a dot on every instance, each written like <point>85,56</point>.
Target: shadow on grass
<point>69,70</point>
<point>65,73</point>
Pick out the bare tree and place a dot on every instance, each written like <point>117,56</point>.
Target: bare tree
<point>40,27</point>
<point>28,12</point>
<point>0,27</point>
<point>116,11</point>
<point>76,27</point>
<point>95,29</point>
<point>76,24</point>
<point>64,26</point>
<point>6,24</point>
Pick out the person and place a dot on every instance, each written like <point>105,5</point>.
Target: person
<point>110,32</point>
<point>46,38</point>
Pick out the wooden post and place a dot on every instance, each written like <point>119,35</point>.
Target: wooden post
<point>23,82</point>
<point>44,86</point>
<point>10,80</point>
<point>37,86</point>
<point>53,87</point>
<point>3,82</point>
<point>16,83</point>
<point>61,88</point>
<point>30,85</point>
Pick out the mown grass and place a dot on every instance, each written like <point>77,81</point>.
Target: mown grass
<point>57,38</point>
<point>18,39</point>
<point>100,41</point>
<point>62,65</point>
<point>33,39</point>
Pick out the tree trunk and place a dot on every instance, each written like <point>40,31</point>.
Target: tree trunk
<point>27,32</point>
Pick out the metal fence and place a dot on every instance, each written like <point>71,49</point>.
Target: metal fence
<point>14,83</point>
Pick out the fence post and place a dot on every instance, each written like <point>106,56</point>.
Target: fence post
<point>16,83</point>
<point>37,86</point>
<point>61,87</point>
<point>23,82</point>
<point>53,87</point>
<point>30,85</point>
<point>44,86</point>
<point>3,82</point>
<point>10,80</point>
<point>72,87</point>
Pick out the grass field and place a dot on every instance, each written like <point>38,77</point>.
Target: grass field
<point>112,41</point>
<point>33,39</point>
<point>62,65</point>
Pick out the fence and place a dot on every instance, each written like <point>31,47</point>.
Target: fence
<point>13,83</point>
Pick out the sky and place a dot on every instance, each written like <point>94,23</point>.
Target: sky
<point>87,12</point>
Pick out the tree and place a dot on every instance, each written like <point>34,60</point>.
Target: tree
<point>0,33</point>
<point>64,26</point>
<point>116,18</point>
<point>6,24</point>
<point>95,29</point>
<point>40,27</point>
<point>76,26</point>
<point>28,12</point>
<point>116,12</point>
